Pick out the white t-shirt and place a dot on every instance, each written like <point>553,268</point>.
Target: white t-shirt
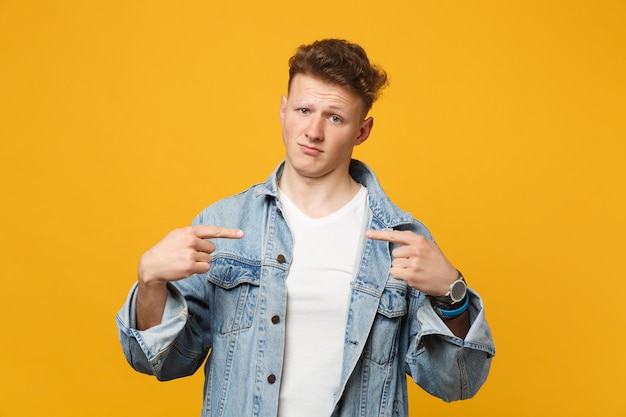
<point>325,254</point>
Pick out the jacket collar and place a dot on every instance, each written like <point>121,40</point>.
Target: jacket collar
<point>383,209</point>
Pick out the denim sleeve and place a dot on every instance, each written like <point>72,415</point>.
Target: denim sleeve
<point>444,365</point>
<point>176,347</point>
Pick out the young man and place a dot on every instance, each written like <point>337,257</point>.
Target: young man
<point>312,294</point>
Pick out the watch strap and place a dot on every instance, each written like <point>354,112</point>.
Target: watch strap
<point>447,314</point>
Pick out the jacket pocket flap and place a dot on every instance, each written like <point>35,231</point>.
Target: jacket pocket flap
<point>393,302</point>
<point>229,272</point>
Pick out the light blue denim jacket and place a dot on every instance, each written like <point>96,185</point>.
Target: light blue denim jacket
<point>236,312</point>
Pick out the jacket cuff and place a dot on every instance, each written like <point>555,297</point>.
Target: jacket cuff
<point>478,337</point>
<point>155,340</point>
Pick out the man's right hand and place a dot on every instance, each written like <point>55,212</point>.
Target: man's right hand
<point>183,252</point>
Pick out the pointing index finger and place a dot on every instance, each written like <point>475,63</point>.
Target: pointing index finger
<point>208,232</point>
<point>394,236</point>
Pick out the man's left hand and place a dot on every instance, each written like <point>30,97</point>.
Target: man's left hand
<point>418,261</point>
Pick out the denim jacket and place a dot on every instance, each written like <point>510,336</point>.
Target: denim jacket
<point>235,314</point>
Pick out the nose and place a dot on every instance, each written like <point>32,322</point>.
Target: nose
<point>315,129</point>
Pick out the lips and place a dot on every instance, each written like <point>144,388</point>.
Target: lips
<point>309,150</point>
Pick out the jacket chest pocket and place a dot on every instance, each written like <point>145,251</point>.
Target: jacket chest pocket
<point>385,332</point>
<point>235,294</point>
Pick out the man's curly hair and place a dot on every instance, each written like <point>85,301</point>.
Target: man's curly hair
<point>340,62</point>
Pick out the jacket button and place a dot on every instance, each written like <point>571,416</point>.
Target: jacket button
<point>276,319</point>
<point>281,259</point>
<point>271,378</point>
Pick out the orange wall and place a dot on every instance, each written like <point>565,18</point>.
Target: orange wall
<point>503,130</point>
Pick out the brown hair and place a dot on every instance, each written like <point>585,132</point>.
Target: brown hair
<point>340,62</point>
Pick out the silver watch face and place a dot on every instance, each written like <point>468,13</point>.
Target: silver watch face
<point>458,290</point>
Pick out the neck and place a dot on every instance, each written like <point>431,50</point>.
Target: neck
<point>318,197</point>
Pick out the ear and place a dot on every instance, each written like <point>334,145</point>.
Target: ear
<point>283,108</point>
<point>364,130</point>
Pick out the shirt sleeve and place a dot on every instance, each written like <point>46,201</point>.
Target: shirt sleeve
<point>443,364</point>
<point>178,346</point>
<point>143,348</point>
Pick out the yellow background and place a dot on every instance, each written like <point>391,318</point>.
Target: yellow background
<point>503,130</point>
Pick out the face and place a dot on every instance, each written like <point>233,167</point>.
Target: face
<point>322,123</point>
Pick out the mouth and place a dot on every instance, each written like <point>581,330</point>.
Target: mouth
<point>309,150</point>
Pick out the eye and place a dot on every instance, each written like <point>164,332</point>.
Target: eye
<point>335,119</point>
<point>303,111</point>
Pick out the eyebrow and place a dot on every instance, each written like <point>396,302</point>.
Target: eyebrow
<point>332,107</point>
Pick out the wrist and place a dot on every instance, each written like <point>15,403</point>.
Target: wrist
<point>456,295</point>
<point>149,281</point>
<point>449,312</point>
<point>146,275</point>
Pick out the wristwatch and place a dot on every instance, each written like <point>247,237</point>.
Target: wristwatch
<point>456,293</point>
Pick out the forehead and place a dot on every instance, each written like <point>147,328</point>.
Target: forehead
<point>305,87</point>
